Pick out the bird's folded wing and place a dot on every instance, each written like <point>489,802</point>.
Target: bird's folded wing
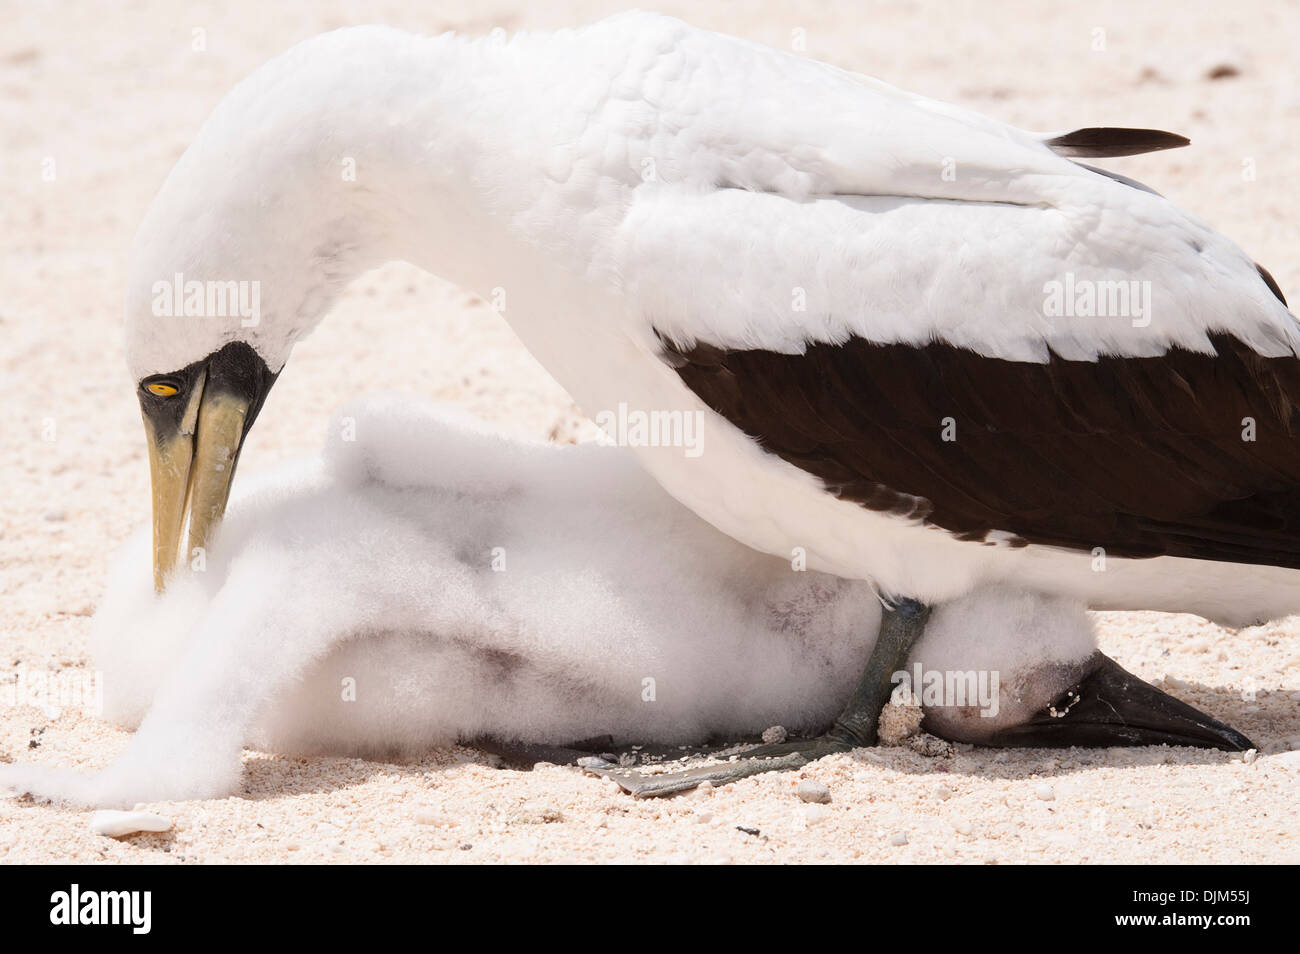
<point>1084,335</point>
<point>1183,455</point>
<point>1097,268</point>
<point>800,202</point>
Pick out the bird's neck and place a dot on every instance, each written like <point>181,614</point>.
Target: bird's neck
<point>400,156</point>
<point>454,154</point>
<point>362,147</point>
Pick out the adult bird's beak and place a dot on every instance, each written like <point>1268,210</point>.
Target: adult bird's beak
<point>1111,706</point>
<point>195,421</point>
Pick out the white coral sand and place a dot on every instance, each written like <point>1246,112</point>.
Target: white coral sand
<point>75,477</point>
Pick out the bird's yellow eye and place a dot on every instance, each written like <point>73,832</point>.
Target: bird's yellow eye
<point>162,390</point>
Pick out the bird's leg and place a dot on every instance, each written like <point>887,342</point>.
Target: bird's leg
<point>901,626</point>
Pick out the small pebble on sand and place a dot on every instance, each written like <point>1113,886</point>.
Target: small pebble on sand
<point>117,824</point>
<point>898,838</point>
<point>811,790</point>
<point>536,814</point>
<point>898,723</point>
<point>1045,793</point>
<point>931,746</point>
<point>775,735</point>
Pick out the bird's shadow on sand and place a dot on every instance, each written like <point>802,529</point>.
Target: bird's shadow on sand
<point>269,776</point>
<point>1269,720</point>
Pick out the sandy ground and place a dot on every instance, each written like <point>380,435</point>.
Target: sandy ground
<point>112,95</point>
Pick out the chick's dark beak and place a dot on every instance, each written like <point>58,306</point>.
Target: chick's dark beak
<point>1111,706</point>
<point>196,420</point>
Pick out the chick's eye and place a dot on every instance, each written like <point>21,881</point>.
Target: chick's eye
<point>161,389</point>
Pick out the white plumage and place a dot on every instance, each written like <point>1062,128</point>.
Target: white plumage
<point>658,161</point>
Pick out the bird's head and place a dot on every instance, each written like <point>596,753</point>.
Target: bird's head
<point>1054,688</point>
<point>305,175</point>
<point>217,292</point>
<point>195,422</point>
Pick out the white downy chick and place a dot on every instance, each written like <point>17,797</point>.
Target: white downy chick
<point>428,581</point>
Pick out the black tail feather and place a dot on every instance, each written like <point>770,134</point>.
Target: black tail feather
<point>1102,141</point>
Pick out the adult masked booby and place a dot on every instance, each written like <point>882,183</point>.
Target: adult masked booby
<point>924,348</point>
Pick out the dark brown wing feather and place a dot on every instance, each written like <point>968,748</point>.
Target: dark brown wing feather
<point>1140,456</point>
